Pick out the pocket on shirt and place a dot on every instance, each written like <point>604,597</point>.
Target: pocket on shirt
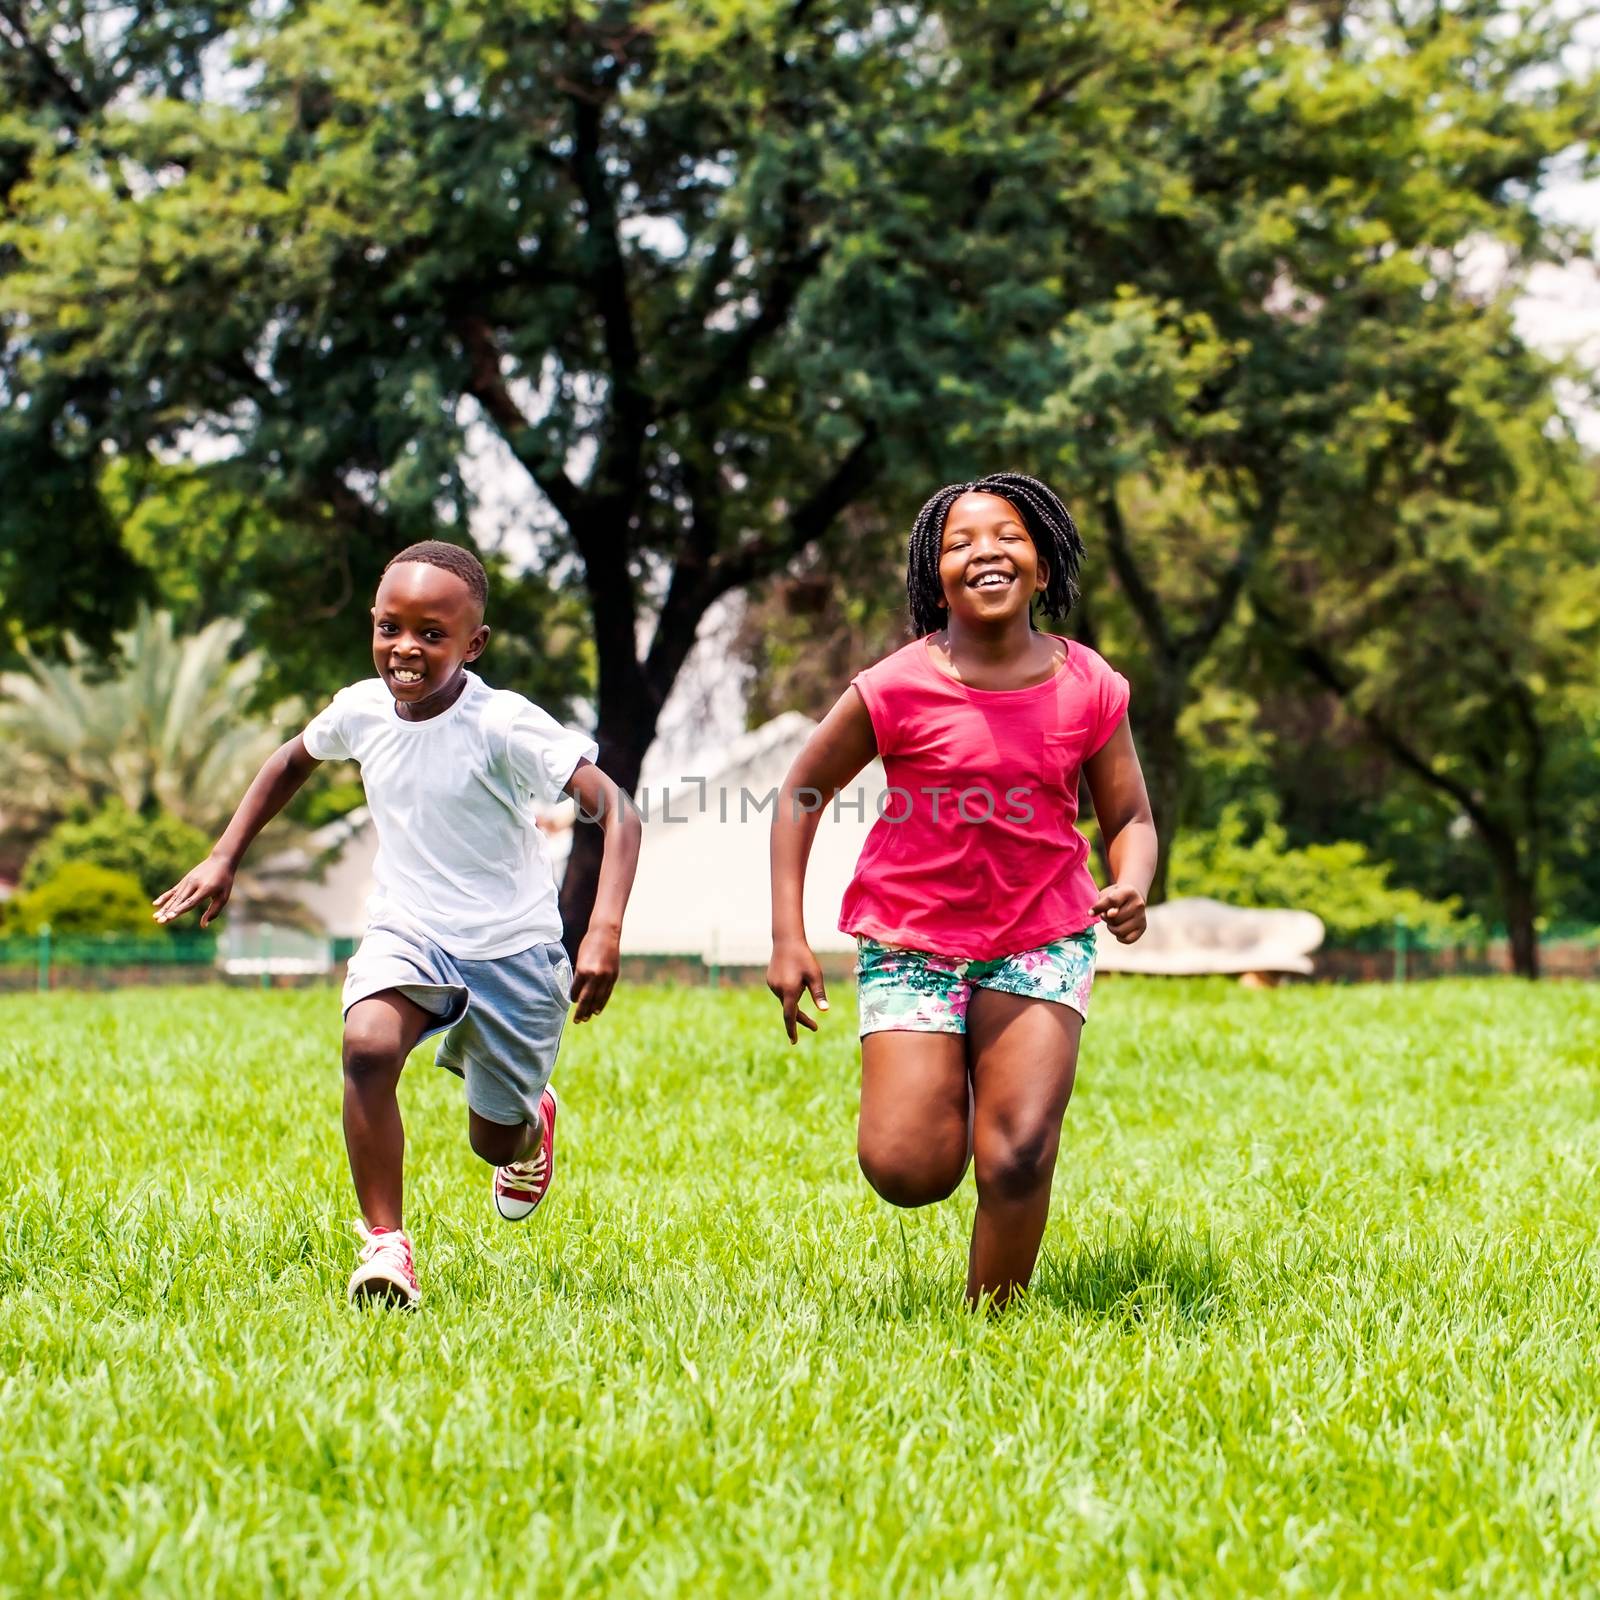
<point>1063,757</point>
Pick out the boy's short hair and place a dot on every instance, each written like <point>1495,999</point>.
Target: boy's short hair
<point>436,553</point>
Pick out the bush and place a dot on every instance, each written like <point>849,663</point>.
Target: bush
<point>155,851</point>
<point>83,898</point>
<point>1339,881</point>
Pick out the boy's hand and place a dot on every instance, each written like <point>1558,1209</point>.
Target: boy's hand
<point>792,972</point>
<point>212,880</point>
<point>1121,907</point>
<point>594,973</point>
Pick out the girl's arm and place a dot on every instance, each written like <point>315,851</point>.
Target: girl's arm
<point>841,746</point>
<point>275,785</point>
<point>1122,808</point>
<point>594,972</point>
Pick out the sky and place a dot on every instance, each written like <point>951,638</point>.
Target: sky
<point>1560,311</point>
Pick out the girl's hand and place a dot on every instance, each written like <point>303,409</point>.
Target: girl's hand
<point>792,972</point>
<point>1121,907</point>
<point>212,881</point>
<point>594,974</point>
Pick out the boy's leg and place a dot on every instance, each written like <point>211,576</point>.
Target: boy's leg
<point>379,1033</point>
<point>912,1137</point>
<point>504,1048</point>
<point>1024,1057</point>
<point>499,1144</point>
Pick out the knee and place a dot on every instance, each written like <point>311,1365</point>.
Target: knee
<point>494,1142</point>
<point>1016,1166</point>
<point>910,1178</point>
<point>369,1058</point>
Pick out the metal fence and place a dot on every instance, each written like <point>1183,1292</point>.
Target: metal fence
<point>241,951</point>
<point>1400,953</point>
<point>273,955</point>
<point>44,955</point>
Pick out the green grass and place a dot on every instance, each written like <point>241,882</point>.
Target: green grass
<point>1318,1314</point>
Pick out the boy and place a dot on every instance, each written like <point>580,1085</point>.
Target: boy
<point>463,929</point>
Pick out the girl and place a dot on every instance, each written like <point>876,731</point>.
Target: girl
<point>972,903</point>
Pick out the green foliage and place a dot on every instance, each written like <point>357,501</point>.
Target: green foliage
<point>82,897</point>
<point>1339,881</point>
<point>319,804</point>
<point>1454,621</point>
<point>1297,324</point>
<point>168,731</point>
<point>210,547</point>
<point>62,64</point>
<point>62,569</point>
<point>704,283</point>
<point>156,850</point>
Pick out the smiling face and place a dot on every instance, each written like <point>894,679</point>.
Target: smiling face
<point>426,626</point>
<point>988,566</point>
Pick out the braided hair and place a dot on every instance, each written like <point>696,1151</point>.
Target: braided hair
<point>1049,525</point>
<point>453,558</point>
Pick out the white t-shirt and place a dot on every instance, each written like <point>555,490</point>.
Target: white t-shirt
<point>459,856</point>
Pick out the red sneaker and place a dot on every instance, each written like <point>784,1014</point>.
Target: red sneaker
<point>385,1270</point>
<point>519,1186</point>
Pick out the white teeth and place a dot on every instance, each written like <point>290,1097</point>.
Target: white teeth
<point>400,675</point>
<point>992,580</point>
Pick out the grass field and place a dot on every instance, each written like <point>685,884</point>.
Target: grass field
<point>1318,1314</point>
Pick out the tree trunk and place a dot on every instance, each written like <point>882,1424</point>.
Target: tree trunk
<point>1161,754</point>
<point>622,754</point>
<point>1177,653</point>
<point>580,884</point>
<point>1520,902</point>
<point>631,692</point>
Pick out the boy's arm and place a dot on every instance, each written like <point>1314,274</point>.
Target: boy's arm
<point>841,746</point>
<point>274,786</point>
<point>1116,784</point>
<point>595,970</point>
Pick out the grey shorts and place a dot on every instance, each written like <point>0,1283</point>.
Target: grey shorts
<point>504,1017</point>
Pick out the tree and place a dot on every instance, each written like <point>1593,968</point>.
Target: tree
<point>156,850</point>
<point>63,65</point>
<point>806,634</point>
<point>166,735</point>
<point>1456,618</point>
<point>208,550</point>
<point>1281,237</point>
<point>713,274</point>
<point>597,234</point>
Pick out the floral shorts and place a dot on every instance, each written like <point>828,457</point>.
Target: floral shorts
<point>922,993</point>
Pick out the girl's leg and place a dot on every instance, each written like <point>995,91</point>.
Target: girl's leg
<point>379,1033</point>
<point>1024,1055</point>
<point>912,1139</point>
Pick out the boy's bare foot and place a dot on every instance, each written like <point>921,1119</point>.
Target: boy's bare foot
<point>385,1271</point>
<point>521,1185</point>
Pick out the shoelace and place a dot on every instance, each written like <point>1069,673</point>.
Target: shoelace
<point>531,1171</point>
<point>391,1242</point>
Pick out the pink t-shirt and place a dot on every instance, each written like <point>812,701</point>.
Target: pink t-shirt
<point>975,853</point>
